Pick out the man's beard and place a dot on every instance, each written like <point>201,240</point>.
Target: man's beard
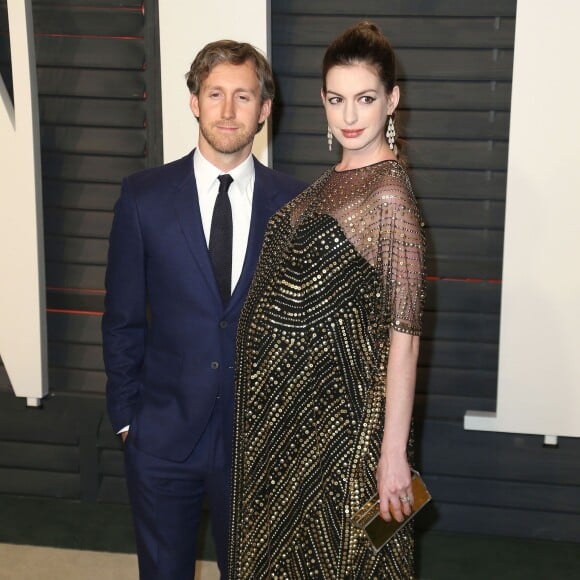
<point>227,144</point>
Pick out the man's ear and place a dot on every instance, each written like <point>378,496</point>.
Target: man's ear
<point>194,105</point>
<point>265,110</point>
<point>394,99</point>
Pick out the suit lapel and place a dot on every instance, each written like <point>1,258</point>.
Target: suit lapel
<point>265,203</point>
<point>189,218</point>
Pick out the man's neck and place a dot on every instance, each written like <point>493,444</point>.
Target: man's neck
<point>224,161</point>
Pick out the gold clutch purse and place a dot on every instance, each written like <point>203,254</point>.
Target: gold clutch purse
<point>379,532</point>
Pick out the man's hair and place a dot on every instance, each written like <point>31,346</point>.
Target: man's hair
<point>230,52</point>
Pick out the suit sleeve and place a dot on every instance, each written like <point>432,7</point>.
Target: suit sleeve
<point>124,322</point>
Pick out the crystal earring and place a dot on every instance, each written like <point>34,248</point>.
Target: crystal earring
<point>329,139</point>
<point>390,134</point>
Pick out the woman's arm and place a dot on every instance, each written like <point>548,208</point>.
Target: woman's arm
<point>393,472</point>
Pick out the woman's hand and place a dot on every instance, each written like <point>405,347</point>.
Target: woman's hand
<point>394,487</point>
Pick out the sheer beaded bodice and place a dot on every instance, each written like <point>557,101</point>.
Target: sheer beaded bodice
<point>377,213</point>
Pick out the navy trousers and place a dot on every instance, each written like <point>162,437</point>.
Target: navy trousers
<point>166,500</point>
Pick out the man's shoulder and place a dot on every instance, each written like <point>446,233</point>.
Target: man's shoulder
<point>161,175</point>
<point>283,182</point>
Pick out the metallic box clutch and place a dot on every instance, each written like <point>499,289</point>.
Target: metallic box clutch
<point>379,532</point>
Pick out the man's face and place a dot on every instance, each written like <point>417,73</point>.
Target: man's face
<point>229,109</point>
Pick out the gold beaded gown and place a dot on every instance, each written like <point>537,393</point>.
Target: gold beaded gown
<point>342,264</point>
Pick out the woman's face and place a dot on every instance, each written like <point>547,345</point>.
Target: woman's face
<point>357,107</point>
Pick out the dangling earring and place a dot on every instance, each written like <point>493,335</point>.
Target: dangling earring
<point>329,139</point>
<point>390,134</point>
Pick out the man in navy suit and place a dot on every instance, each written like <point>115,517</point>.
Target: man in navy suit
<point>183,247</point>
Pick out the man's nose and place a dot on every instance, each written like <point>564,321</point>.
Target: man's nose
<point>229,111</point>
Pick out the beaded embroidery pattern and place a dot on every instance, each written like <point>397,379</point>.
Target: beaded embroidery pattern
<point>341,265</point>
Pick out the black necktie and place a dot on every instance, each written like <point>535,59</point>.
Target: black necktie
<point>221,239</point>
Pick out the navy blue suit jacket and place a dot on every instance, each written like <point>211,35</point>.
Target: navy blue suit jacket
<point>168,342</point>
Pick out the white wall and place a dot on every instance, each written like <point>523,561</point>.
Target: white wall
<point>22,285</point>
<point>539,370</point>
<point>186,26</point>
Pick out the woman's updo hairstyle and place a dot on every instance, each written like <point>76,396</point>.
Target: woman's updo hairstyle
<point>363,43</point>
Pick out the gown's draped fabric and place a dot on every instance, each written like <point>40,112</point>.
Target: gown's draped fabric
<point>342,264</point>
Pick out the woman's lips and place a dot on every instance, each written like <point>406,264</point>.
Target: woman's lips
<point>351,133</point>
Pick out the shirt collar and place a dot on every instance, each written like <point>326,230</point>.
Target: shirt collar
<point>206,173</point>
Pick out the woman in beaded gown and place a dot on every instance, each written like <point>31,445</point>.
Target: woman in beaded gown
<point>327,347</point>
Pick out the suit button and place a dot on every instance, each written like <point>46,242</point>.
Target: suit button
<point>214,364</point>
<point>223,323</point>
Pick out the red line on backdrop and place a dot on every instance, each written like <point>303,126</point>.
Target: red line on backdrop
<point>68,311</point>
<point>467,280</point>
<point>93,36</point>
<point>100,313</point>
<point>429,278</point>
<point>89,290</point>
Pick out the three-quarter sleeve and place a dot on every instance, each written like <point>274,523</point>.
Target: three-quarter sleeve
<point>401,256</point>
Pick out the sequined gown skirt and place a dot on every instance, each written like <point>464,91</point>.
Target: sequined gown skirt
<point>312,348</point>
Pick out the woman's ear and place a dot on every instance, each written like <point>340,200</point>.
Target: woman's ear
<point>394,99</point>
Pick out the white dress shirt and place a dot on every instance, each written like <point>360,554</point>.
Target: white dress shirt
<point>241,194</point>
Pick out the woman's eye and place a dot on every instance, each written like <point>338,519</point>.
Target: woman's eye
<point>367,100</point>
<point>334,100</point>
